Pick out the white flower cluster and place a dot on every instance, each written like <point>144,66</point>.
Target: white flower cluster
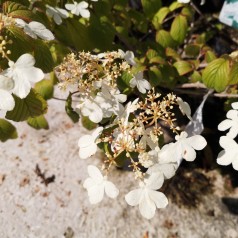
<point>126,137</point>
<point>17,79</point>
<point>230,153</point>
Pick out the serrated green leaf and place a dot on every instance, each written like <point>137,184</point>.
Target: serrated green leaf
<point>45,88</point>
<point>31,106</point>
<point>74,116</point>
<point>38,122</point>
<point>179,28</point>
<point>159,17</point>
<point>7,130</point>
<point>43,56</point>
<point>216,74</point>
<point>150,7</point>
<point>89,125</point>
<point>175,5</point>
<point>165,39</point>
<point>172,53</point>
<point>183,67</point>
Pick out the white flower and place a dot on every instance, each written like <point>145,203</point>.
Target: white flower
<point>34,29</point>
<point>97,184</point>
<point>229,154</point>
<point>147,197</point>
<point>231,122</point>
<point>146,139</point>
<point>92,110</point>
<point>6,99</point>
<point>128,56</point>
<point>141,84</point>
<point>184,108</point>
<point>87,144</point>
<point>183,148</point>
<point>23,73</point>
<point>79,9</point>
<point>56,13</point>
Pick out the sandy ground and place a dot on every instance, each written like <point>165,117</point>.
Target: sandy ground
<point>31,209</point>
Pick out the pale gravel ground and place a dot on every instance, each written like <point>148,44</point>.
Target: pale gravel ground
<point>30,209</point>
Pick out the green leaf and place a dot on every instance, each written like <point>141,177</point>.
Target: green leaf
<point>192,50</point>
<point>160,16</point>
<point>183,67</point>
<point>210,56</point>
<point>175,5</point>
<point>43,56</point>
<point>188,12</point>
<point>179,28</point>
<point>38,122</point>
<point>7,130</point>
<point>45,88</point>
<point>150,7</point>
<point>155,76</point>
<point>172,53</point>
<point>233,76</point>
<point>164,39</point>
<point>216,74</point>
<point>74,116</point>
<point>123,81</point>
<point>89,125</point>
<point>196,77</point>
<point>31,106</point>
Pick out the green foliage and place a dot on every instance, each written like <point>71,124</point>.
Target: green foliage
<point>45,88</point>
<point>38,122</point>
<point>7,130</point>
<point>31,106</point>
<point>74,116</point>
<point>87,123</point>
<point>179,28</point>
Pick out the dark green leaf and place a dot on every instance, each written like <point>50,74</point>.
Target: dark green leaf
<point>7,130</point>
<point>45,88</point>
<point>150,7</point>
<point>87,123</point>
<point>31,106</point>
<point>74,116</point>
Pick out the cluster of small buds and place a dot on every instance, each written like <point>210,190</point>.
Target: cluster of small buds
<point>3,46</point>
<point>88,71</point>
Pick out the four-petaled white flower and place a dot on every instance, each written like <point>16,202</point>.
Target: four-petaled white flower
<point>183,148</point>
<point>141,83</point>
<point>34,29</point>
<point>96,185</point>
<point>7,102</point>
<point>23,73</point>
<point>128,57</point>
<point>184,108</point>
<point>230,153</point>
<point>87,144</point>
<point>56,13</point>
<point>79,9</point>
<point>147,197</point>
<point>231,122</point>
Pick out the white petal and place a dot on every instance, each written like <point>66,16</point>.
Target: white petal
<point>6,83</point>
<point>20,22</point>
<point>189,153</point>
<point>225,157</point>
<point>133,82</point>
<point>184,108</point>
<point>111,189</point>
<point>197,142</point>
<point>70,7</point>
<point>89,182</point>
<point>233,131</point>
<point>147,207</point>
<point>97,132</point>
<point>57,19</point>
<point>224,125</point>
<point>22,86</point>
<point>25,60</point>
<point>86,152</point>
<point>63,13</point>
<point>84,13</point>
<point>232,114</point>
<point>41,30</point>
<point>85,141</point>
<point>235,164</point>
<point>133,197</point>
<point>96,193</point>
<point>155,181</point>
<point>83,4</point>
<point>6,100</point>
<point>95,173</point>
<point>159,199</point>
<point>234,105</point>
<point>227,143</point>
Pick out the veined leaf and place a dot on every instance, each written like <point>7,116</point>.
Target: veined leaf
<point>31,106</point>
<point>183,67</point>
<point>216,74</point>
<point>38,122</point>
<point>7,130</point>
<point>165,39</point>
<point>45,88</point>
<point>160,16</point>
<point>150,7</point>
<point>179,28</point>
